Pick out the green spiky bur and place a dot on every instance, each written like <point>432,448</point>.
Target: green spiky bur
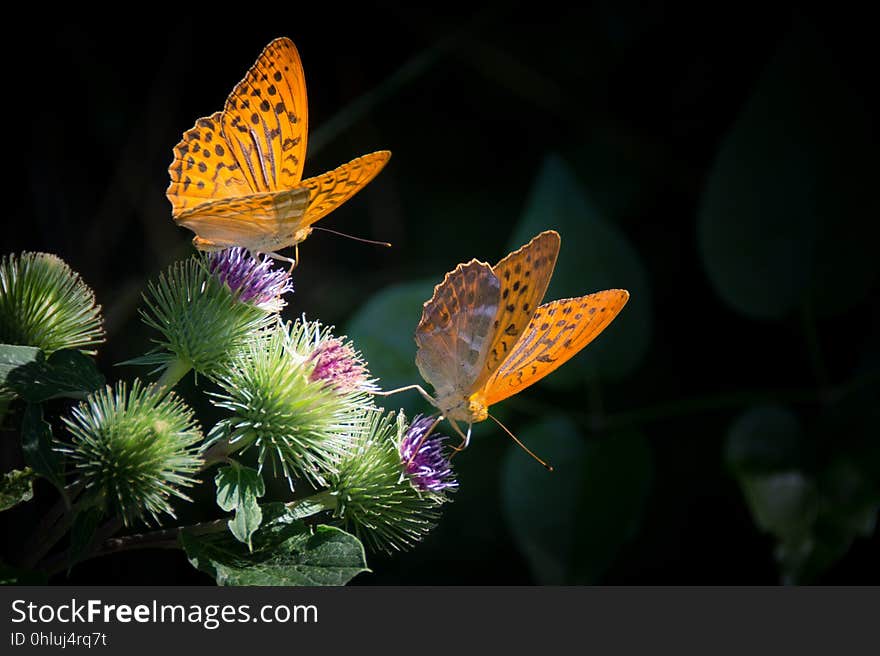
<point>134,449</point>
<point>44,303</point>
<point>375,498</point>
<point>202,323</point>
<point>302,427</point>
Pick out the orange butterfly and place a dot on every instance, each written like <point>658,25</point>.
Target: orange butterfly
<point>236,178</point>
<point>484,337</point>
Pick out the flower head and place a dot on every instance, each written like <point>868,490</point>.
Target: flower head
<point>336,363</point>
<point>301,425</point>
<point>423,459</point>
<point>375,497</point>
<point>201,320</point>
<point>44,303</point>
<point>254,280</point>
<point>134,448</point>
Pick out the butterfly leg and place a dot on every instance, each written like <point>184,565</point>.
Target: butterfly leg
<point>465,438</point>
<point>428,397</point>
<point>281,258</point>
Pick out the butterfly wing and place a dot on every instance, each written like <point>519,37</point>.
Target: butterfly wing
<point>330,190</point>
<point>557,332</point>
<point>204,168</point>
<point>260,222</point>
<point>456,327</point>
<point>265,120</point>
<point>524,276</point>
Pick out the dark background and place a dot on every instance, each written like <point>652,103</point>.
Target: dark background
<point>719,164</point>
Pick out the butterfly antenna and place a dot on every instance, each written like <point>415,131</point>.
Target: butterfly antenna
<point>366,241</point>
<point>521,445</point>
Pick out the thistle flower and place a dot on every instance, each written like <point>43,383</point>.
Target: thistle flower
<point>202,320</point>
<point>300,425</point>
<point>135,449</point>
<point>428,468</point>
<point>375,496</point>
<point>253,280</point>
<point>44,303</point>
<point>334,361</point>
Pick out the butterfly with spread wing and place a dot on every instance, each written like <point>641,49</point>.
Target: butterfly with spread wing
<point>484,336</point>
<point>236,178</point>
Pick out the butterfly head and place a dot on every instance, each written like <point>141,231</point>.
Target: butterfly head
<point>469,410</point>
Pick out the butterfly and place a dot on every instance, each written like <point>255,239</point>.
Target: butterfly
<point>236,178</point>
<point>484,335</point>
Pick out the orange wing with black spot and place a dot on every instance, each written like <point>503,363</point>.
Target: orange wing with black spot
<point>557,332</point>
<point>524,276</point>
<point>236,177</point>
<point>332,189</point>
<point>265,120</point>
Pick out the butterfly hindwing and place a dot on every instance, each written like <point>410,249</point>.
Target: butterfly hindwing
<point>456,326</point>
<point>524,276</point>
<point>204,168</point>
<point>557,332</point>
<point>265,119</point>
<point>260,222</point>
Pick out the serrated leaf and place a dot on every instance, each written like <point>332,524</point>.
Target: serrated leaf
<point>571,523</point>
<point>594,255</point>
<point>16,487</point>
<point>286,552</point>
<point>782,219</point>
<point>66,373</point>
<point>238,489</point>
<point>36,445</point>
<point>82,533</point>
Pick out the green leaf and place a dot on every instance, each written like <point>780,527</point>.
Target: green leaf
<point>238,489</point>
<point>286,552</point>
<point>82,533</point>
<point>782,215</point>
<point>765,439</point>
<point>595,255</point>
<point>571,523</point>
<point>383,330</point>
<point>16,487</point>
<point>66,373</point>
<point>36,444</point>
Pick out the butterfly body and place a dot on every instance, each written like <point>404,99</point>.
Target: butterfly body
<point>484,335</point>
<point>236,178</point>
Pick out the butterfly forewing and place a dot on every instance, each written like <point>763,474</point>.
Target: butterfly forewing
<point>265,119</point>
<point>555,334</point>
<point>332,189</point>
<point>456,327</point>
<point>524,276</point>
<point>204,168</point>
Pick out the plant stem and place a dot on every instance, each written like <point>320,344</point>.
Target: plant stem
<point>175,370</point>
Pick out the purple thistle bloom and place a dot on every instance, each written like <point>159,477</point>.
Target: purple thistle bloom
<point>336,363</point>
<point>428,467</point>
<point>254,280</point>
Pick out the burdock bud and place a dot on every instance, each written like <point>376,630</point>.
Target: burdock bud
<point>134,449</point>
<point>44,303</point>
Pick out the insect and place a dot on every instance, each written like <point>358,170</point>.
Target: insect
<point>484,336</point>
<point>236,178</point>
